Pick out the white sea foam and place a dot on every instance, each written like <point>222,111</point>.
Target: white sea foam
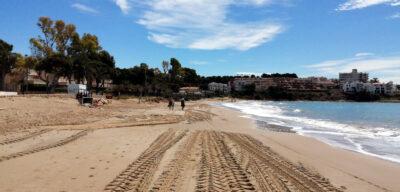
<point>297,110</point>
<point>346,136</point>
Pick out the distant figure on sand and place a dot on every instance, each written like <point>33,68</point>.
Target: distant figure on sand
<point>183,103</point>
<point>171,104</point>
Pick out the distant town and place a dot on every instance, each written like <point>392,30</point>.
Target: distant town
<point>354,84</point>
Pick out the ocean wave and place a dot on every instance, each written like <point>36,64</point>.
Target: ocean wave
<point>270,111</point>
<point>344,135</point>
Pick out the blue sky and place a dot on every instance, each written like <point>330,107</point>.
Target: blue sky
<point>226,37</point>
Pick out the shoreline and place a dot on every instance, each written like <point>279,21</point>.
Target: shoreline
<point>283,129</point>
<point>337,164</point>
<point>332,135</point>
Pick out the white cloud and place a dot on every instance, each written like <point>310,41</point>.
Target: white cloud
<point>84,8</point>
<point>360,4</point>
<point>255,2</point>
<point>124,5</point>
<point>166,39</point>
<point>364,54</point>
<point>196,62</point>
<point>241,37</point>
<point>204,24</point>
<point>385,68</point>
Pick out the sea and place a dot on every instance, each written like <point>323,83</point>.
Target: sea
<point>368,128</point>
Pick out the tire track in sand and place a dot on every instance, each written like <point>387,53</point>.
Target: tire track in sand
<point>41,148</point>
<point>25,137</point>
<point>219,170</point>
<point>171,178</point>
<point>138,175</point>
<point>224,161</point>
<point>273,173</point>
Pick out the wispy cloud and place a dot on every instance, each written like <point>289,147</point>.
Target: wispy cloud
<point>395,16</point>
<point>386,68</point>
<point>205,24</point>
<point>363,54</point>
<point>254,2</point>
<point>360,4</point>
<point>196,62</point>
<point>124,5</point>
<point>84,8</point>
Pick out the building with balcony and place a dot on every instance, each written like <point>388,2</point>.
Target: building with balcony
<point>372,88</point>
<point>354,76</point>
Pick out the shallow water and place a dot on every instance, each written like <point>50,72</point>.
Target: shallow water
<point>369,128</point>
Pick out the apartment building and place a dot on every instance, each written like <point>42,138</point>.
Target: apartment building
<point>219,87</point>
<point>354,76</point>
<point>372,88</point>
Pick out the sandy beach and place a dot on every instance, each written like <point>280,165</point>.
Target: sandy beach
<point>53,144</point>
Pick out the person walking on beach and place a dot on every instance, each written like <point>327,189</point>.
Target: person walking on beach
<point>183,103</point>
<point>171,104</point>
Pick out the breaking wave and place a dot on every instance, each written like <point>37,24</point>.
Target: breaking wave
<point>319,120</point>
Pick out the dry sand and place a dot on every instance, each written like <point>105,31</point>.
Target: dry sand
<point>53,144</point>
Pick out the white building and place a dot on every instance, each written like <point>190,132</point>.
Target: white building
<point>391,88</point>
<point>373,88</point>
<point>354,76</point>
<point>219,87</point>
